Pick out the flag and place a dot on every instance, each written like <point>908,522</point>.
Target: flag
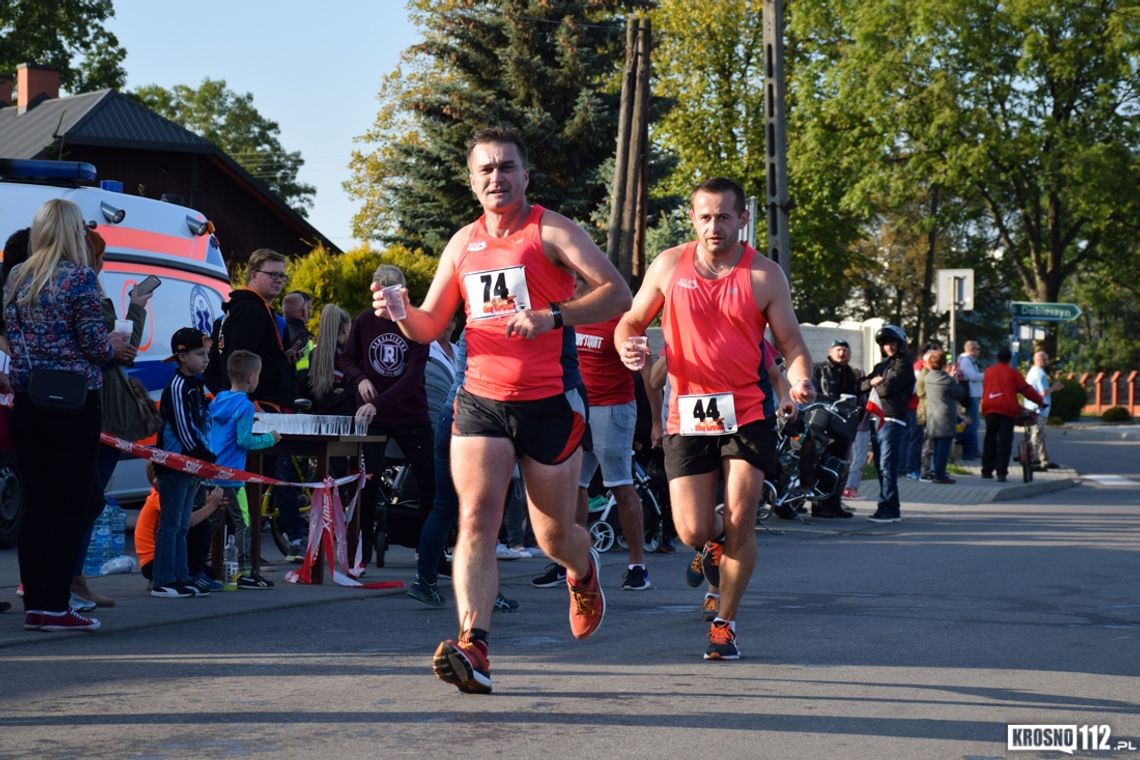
<point>875,409</point>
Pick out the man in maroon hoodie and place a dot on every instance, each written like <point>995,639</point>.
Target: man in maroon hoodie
<point>1000,385</point>
<point>388,372</point>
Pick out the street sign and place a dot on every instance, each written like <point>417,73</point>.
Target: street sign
<point>1027,311</point>
<point>955,289</point>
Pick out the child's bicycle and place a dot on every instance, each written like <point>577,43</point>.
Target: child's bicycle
<point>1027,420</point>
<point>604,523</point>
<point>304,469</point>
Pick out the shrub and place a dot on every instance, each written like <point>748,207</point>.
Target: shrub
<point>1066,404</point>
<point>1115,414</point>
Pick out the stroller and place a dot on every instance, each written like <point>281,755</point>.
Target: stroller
<point>604,523</point>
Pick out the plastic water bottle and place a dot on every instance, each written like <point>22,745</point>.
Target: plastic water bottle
<point>230,563</point>
<point>117,520</point>
<point>99,550</point>
<point>121,564</point>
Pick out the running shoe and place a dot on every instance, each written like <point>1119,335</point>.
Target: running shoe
<point>636,579</point>
<point>464,664</point>
<point>587,601</point>
<point>503,604</point>
<point>555,575</point>
<point>253,582</point>
<point>722,642</point>
<point>694,573</point>
<point>200,585</point>
<point>714,551</point>
<point>710,608</point>
<point>425,592</point>
<point>67,621</point>
<point>171,590</point>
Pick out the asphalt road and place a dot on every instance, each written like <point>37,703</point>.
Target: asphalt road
<point>923,639</point>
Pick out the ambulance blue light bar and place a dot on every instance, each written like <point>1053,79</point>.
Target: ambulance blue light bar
<point>57,171</point>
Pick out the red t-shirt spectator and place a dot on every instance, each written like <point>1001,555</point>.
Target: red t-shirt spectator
<point>607,380</point>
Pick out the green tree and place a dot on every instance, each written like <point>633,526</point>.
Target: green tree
<point>66,34</point>
<point>230,121</point>
<point>544,67</point>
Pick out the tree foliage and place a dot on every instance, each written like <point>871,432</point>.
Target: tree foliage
<point>544,67</point>
<point>66,34</point>
<point>230,121</point>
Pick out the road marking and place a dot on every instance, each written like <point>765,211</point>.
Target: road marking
<point>1112,481</point>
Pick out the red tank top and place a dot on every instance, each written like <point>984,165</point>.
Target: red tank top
<point>499,276</point>
<point>713,334</point>
<point>607,380</point>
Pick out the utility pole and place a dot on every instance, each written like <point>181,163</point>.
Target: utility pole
<point>776,159</point>
<point>626,239</point>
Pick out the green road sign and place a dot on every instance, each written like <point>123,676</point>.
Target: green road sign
<point>1044,312</point>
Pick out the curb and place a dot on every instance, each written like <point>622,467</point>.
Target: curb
<point>1036,488</point>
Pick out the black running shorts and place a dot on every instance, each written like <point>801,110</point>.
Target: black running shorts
<point>548,430</point>
<point>755,443</point>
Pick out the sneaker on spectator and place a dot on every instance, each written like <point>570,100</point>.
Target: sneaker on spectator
<point>555,575</point>
<point>667,546</point>
<point>253,582</point>
<point>464,664</point>
<point>926,477</point>
<point>425,592</point>
<point>33,619</point>
<point>714,550</point>
<point>20,590</point>
<point>67,621</point>
<point>523,552</point>
<point>945,481</point>
<point>443,569</point>
<point>173,590</point>
<point>502,551</point>
<point>587,601</point>
<point>201,579</point>
<point>694,573</point>
<point>636,579</point>
<point>200,585</point>
<point>296,551</point>
<point>880,517</point>
<point>913,475</point>
<point>851,493</point>
<point>710,608</point>
<point>79,604</point>
<point>722,642</point>
<point>503,604</point>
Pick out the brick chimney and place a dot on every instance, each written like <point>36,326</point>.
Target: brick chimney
<point>34,84</point>
<point>5,90</point>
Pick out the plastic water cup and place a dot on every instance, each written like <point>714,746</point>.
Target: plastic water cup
<point>639,343</point>
<point>394,300</point>
<point>125,326</point>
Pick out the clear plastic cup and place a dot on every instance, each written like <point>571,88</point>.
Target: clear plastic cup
<point>639,343</point>
<point>124,326</point>
<point>394,300</point>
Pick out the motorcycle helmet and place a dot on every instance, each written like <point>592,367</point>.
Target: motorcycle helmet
<point>890,334</point>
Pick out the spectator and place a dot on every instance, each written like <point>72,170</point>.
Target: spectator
<point>326,386</point>
<point>198,538</point>
<point>1000,385</point>
<point>916,434</point>
<point>388,372</point>
<point>971,371</point>
<point>54,322</point>
<point>891,383</point>
<point>439,373</point>
<point>297,308</point>
<point>1038,377</point>
<point>833,377</point>
<point>941,394</point>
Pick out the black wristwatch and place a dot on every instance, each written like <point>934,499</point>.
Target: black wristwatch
<point>556,312</point>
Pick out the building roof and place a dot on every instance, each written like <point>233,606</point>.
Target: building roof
<point>107,118</point>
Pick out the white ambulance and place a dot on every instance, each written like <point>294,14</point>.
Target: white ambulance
<point>144,237</point>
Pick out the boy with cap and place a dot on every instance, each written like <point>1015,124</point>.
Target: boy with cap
<point>185,430</point>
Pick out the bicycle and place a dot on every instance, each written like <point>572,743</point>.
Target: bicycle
<point>1027,420</point>
<point>304,468</point>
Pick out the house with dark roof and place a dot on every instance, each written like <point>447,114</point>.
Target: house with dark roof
<point>153,157</point>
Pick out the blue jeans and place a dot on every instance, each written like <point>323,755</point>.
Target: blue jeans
<point>888,446</point>
<point>941,456</point>
<point>445,505</point>
<point>176,492</point>
<point>970,434</point>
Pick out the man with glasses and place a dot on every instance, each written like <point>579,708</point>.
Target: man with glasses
<point>249,323</point>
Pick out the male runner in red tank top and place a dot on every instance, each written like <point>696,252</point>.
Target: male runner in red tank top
<point>718,295</point>
<point>514,269</point>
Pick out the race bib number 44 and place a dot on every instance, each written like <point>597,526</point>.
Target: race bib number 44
<point>496,292</point>
<point>707,414</point>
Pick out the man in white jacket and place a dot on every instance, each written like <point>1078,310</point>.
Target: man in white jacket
<point>971,371</point>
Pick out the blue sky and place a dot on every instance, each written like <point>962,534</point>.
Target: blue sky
<point>313,67</point>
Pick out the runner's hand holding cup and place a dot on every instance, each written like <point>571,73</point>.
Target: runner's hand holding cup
<point>635,351</point>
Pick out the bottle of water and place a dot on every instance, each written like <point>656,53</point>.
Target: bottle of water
<point>99,550</point>
<point>121,564</point>
<point>117,520</point>
<point>230,563</point>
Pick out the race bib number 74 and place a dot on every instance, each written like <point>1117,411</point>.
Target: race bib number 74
<point>496,292</point>
<point>707,414</point>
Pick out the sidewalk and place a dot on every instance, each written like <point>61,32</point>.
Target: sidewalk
<point>136,609</point>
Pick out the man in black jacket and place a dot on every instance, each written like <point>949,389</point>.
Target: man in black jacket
<point>891,383</point>
<point>833,377</point>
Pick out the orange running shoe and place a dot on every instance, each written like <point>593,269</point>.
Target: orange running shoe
<point>722,642</point>
<point>587,602</point>
<point>695,573</point>
<point>714,551</point>
<point>710,608</point>
<point>463,663</point>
